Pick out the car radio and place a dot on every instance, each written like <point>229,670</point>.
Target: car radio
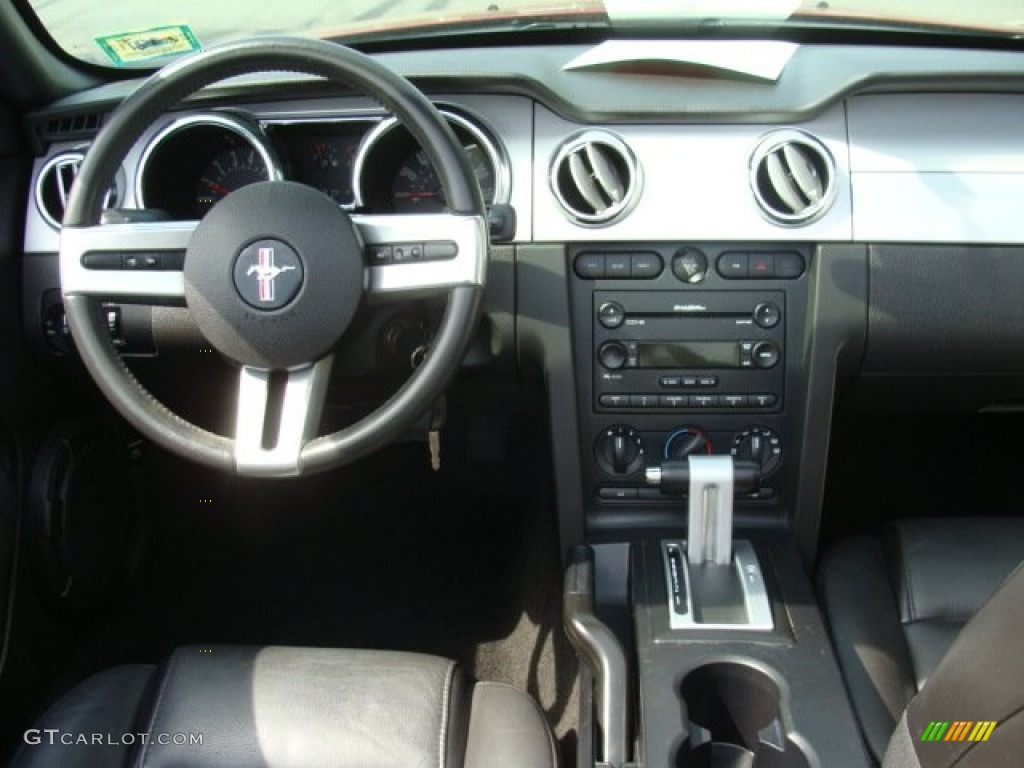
<point>676,351</point>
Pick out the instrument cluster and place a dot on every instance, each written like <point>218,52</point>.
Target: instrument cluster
<point>369,164</point>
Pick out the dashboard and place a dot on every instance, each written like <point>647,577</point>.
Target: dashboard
<point>697,260</point>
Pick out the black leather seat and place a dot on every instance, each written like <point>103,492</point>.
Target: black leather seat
<point>897,606</point>
<point>279,707</point>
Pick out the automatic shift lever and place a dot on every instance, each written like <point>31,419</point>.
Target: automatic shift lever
<point>710,483</point>
<point>713,583</point>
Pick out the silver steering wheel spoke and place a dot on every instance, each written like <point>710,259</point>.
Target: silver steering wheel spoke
<point>131,263</point>
<point>422,253</point>
<point>276,418</point>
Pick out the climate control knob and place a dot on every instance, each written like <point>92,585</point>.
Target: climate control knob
<point>759,445</point>
<point>687,441</point>
<point>612,355</point>
<point>619,450</point>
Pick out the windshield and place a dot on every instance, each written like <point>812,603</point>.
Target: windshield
<point>122,33</point>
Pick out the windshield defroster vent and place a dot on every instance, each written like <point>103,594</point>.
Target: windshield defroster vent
<point>792,177</point>
<point>595,178</point>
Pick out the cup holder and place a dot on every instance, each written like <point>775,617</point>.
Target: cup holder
<point>735,721</point>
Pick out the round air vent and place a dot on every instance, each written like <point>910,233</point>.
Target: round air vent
<point>595,178</point>
<point>53,186</point>
<point>792,175</point>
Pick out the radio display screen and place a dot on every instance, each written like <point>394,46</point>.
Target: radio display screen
<point>688,354</point>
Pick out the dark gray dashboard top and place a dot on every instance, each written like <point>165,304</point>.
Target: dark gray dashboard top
<point>817,77</point>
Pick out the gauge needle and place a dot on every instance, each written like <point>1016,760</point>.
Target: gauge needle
<point>416,195</point>
<point>214,186</point>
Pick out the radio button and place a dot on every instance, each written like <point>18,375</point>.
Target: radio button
<point>643,401</point>
<point>611,314</point>
<point>766,354</point>
<point>674,401</point>
<point>614,401</point>
<point>704,401</point>
<point>590,266</point>
<point>734,401</point>
<point>733,264</point>
<point>707,381</point>
<point>670,381</point>
<point>689,381</point>
<point>645,266</point>
<point>763,401</point>
<point>617,266</point>
<point>767,314</point>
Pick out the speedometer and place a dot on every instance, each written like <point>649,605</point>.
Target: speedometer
<point>417,188</point>
<point>230,170</point>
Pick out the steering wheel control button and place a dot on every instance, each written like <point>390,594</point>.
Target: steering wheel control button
<point>440,251</point>
<point>268,274</point>
<point>377,255</point>
<point>733,265</point>
<point>767,314</point>
<point>690,265</point>
<point>611,314</point>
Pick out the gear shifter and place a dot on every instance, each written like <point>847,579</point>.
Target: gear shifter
<point>713,582</point>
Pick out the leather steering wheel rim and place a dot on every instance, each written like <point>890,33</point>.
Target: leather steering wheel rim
<point>167,88</point>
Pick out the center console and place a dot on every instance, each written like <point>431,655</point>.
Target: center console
<point>690,361</point>
<point>683,350</point>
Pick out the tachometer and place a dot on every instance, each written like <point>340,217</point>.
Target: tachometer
<point>417,187</point>
<point>230,170</point>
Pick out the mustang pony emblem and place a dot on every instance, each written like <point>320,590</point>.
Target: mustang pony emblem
<point>266,272</point>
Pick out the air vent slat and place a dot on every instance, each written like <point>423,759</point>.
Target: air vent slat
<point>792,176</point>
<point>783,184</point>
<point>605,174</point>
<point>595,178</point>
<point>803,173</point>
<point>584,181</point>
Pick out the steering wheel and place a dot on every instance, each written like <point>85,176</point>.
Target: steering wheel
<point>273,274</point>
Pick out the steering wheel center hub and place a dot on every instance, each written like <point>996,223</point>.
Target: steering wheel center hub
<point>274,274</point>
<point>268,274</point>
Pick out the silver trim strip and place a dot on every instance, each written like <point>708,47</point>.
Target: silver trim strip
<point>304,394</point>
<point>469,267</point>
<point>748,571</point>
<point>230,122</point>
<point>124,284</point>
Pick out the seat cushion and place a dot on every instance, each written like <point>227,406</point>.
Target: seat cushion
<point>246,707</point>
<point>895,604</point>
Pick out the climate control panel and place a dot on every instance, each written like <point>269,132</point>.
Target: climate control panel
<point>622,453</point>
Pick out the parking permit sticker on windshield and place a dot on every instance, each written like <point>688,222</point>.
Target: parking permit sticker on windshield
<point>130,47</point>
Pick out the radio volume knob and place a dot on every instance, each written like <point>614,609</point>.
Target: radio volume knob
<point>611,314</point>
<point>766,354</point>
<point>612,355</point>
